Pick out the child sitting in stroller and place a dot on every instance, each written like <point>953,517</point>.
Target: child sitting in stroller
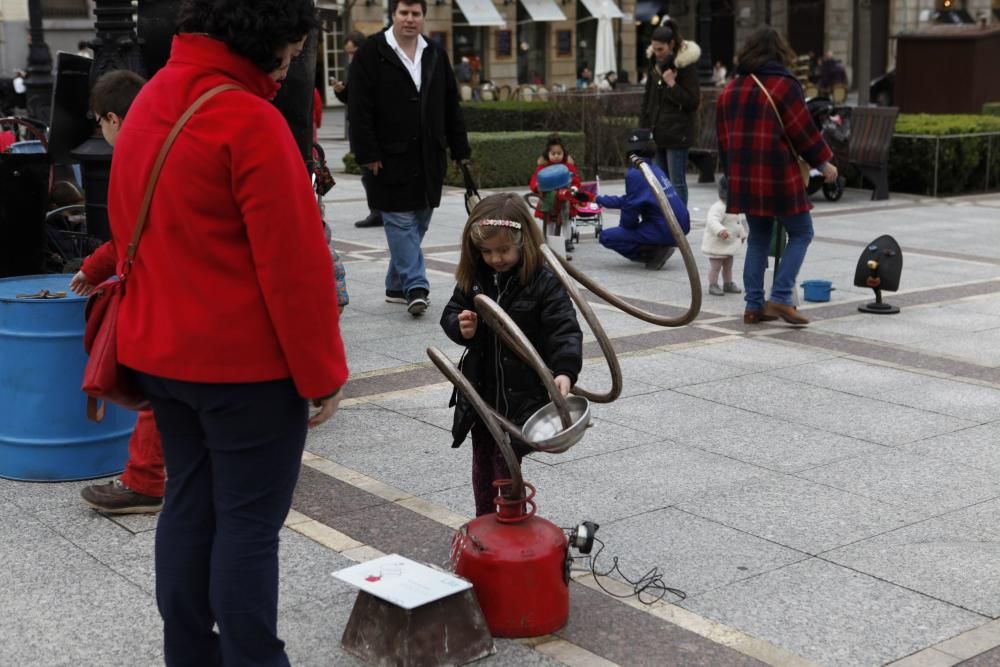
<point>554,153</point>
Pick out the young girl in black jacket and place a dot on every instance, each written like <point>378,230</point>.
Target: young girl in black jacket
<point>501,259</point>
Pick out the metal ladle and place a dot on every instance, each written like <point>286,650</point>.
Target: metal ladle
<point>572,413</point>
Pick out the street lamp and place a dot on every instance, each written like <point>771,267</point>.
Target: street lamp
<point>116,46</point>
<point>705,42</point>
<point>39,79</point>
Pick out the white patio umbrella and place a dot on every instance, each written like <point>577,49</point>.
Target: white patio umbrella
<point>605,60</point>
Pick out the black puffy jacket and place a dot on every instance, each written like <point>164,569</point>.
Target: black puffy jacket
<point>544,311</point>
<point>670,112</point>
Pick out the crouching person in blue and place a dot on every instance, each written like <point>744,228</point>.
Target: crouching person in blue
<point>642,234</point>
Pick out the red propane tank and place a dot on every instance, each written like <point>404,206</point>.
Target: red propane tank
<point>518,570</point>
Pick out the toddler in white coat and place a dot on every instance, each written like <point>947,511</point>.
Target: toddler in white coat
<point>724,234</point>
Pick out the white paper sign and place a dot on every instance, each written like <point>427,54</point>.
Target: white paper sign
<point>401,581</point>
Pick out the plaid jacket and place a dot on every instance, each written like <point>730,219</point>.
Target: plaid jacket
<point>764,179</point>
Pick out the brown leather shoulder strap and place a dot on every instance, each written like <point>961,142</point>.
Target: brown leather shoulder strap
<point>154,175</point>
<point>776,113</point>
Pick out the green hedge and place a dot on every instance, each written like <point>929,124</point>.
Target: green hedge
<point>991,109</point>
<point>506,116</point>
<point>500,159</point>
<point>962,162</point>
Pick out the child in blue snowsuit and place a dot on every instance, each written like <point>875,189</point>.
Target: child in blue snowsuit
<point>642,234</point>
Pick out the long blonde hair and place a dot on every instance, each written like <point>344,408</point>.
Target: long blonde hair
<point>503,206</point>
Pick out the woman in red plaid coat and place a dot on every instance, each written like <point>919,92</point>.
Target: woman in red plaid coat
<point>758,157</point>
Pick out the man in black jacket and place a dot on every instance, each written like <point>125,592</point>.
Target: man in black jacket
<point>403,107</point>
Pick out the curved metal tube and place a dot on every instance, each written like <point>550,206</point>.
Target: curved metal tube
<point>502,429</point>
<point>487,414</point>
<point>560,267</point>
<point>689,263</point>
<point>515,339</point>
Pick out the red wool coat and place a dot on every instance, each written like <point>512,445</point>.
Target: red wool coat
<point>764,178</point>
<point>233,281</point>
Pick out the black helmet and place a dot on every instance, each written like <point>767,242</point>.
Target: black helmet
<point>640,142</point>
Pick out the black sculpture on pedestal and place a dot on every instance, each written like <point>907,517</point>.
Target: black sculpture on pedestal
<point>879,268</point>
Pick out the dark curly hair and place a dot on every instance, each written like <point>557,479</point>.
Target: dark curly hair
<point>254,29</point>
<point>554,140</point>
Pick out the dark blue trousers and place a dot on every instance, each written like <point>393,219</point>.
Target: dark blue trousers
<point>232,454</point>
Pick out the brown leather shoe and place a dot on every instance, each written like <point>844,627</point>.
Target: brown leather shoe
<point>787,313</point>
<point>757,316</point>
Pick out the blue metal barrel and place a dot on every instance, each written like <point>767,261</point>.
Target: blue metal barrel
<point>45,435</point>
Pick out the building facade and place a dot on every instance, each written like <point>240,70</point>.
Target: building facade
<point>508,42</point>
<point>66,23</point>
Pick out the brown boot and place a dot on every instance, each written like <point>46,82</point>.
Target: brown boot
<point>787,313</point>
<point>757,316</point>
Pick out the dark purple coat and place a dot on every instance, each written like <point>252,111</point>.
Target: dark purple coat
<point>764,178</point>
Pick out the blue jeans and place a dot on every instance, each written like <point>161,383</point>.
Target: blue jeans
<point>800,233</point>
<point>404,230</point>
<point>674,162</point>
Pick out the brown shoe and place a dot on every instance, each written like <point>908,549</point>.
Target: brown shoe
<point>787,313</point>
<point>116,498</point>
<point>757,316</point>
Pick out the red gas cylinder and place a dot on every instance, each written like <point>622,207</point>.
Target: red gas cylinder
<point>516,562</point>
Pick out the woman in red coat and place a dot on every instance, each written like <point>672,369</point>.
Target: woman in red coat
<point>757,150</point>
<point>230,320</point>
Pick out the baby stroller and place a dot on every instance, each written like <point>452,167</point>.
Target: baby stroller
<point>587,213</point>
<point>559,204</point>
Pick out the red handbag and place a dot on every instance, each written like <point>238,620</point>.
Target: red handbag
<point>104,379</point>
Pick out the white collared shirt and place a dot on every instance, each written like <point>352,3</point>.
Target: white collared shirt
<point>412,66</point>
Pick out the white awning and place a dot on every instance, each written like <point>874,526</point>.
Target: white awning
<point>543,10</point>
<point>603,9</point>
<point>480,12</point>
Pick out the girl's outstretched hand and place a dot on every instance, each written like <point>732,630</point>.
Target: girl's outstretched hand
<point>467,322</point>
<point>563,384</point>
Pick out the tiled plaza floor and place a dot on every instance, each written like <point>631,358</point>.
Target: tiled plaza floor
<point>822,496</point>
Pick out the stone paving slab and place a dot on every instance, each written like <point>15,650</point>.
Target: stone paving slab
<point>930,486</point>
<point>944,396</point>
<point>875,421</point>
<point>974,447</point>
<point>736,433</point>
<point>691,553</point>
<point>944,558</point>
<point>800,514</point>
<point>833,615</point>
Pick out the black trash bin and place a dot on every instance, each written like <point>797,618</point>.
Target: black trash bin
<point>24,191</point>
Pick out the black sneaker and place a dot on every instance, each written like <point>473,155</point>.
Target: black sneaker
<point>395,296</point>
<point>116,498</point>
<point>374,219</point>
<point>658,257</point>
<point>416,301</point>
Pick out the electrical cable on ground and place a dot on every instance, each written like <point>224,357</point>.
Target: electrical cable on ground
<point>651,584</point>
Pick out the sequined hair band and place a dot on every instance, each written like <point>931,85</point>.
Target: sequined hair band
<point>491,222</point>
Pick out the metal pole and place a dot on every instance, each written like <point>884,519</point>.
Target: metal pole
<point>989,147</point>
<point>39,79</point>
<point>116,46</point>
<point>937,152</point>
<point>863,68</point>
<point>705,42</point>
